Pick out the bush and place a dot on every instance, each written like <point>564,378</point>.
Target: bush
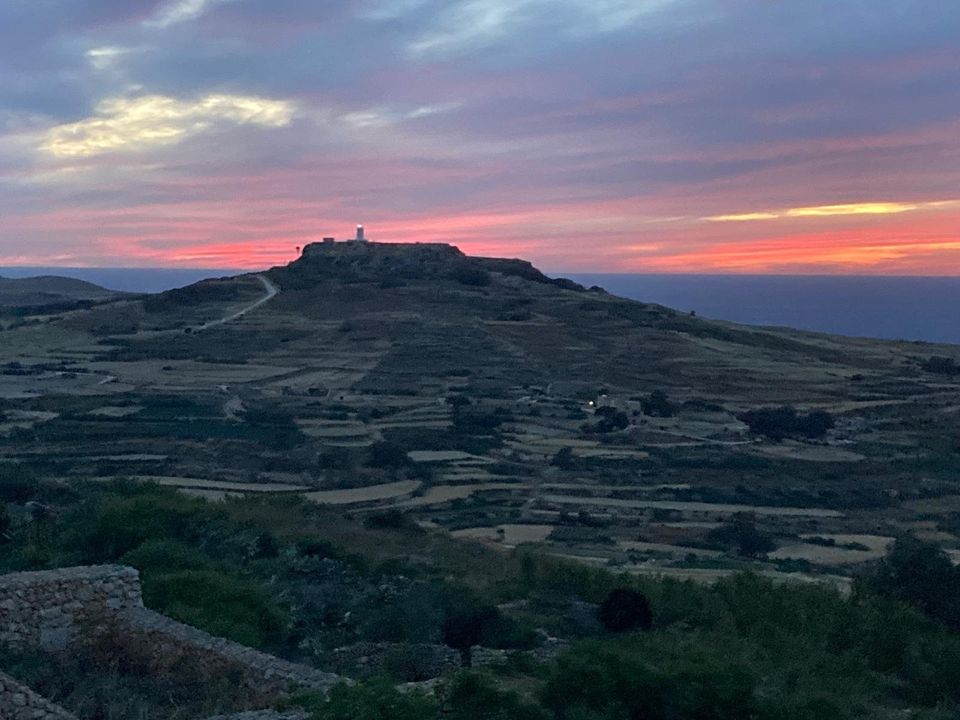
<point>941,365</point>
<point>475,697</point>
<point>221,602</point>
<point>376,699</point>
<point>923,575</point>
<point>782,422</point>
<point>465,628</point>
<point>657,405</point>
<point>474,277</point>
<point>610,420</point>
<point>742,535</point>
<point>119,524</point>
<point>625,609</point>
<point>17,483</point>
<point>594,681</point>
<point>387,455</point>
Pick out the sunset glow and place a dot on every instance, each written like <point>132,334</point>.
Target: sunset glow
<point>227,134</point>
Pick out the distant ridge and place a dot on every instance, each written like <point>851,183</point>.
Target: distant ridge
<point>50,291</point>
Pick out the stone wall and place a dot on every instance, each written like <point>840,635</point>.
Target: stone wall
<point>46,609</point>
<point>169,641</point>
<point>21,703</point>
<point>57,609</point>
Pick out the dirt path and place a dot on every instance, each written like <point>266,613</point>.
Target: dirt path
<point>271,291</point>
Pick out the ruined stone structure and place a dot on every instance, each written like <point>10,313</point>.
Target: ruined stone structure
<point>58,609</point>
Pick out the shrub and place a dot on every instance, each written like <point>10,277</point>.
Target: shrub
<point>782,422</point>
<point>941,365</point>
<point>474,277</point>
<point>625,609</point>
<point>221,602</point>
<point>387,455</point>
<point>465,628</point>
<point>657,405</point>
<point>742,535</point>
<point>375,699</point>
<point>475,697</point>
<point>923,575</point>
<point>17,483</point>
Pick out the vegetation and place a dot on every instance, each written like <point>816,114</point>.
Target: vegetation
<point>625,609</point>
<point>783,422</point>
<point>276,573</point>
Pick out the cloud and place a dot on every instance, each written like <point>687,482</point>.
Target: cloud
<point>131,124</point>
<point>180,11</point>
<point>847,209</point>
<point>471,24</point>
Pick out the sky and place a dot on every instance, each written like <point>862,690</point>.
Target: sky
<point>715,136</point>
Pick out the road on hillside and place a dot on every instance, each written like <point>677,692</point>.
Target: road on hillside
<point>271,291</point>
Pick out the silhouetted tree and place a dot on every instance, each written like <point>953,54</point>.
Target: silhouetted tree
<point>463,629</point>
<point>658,405</point>
<point>625,609</point>
<point>742,535</point>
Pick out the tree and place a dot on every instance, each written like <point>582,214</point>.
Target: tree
<point>625,609</point>
<point>657,405</point>
<point>774,423</point>
<point>742,534</point>
<point>778,423</point>
<point>563,459</point>
<point>815,424</point>
<point>923,575</point>
<point>464,629</point>
<point>941,365</point>
<point>610,420</point>
<point>387,455</point>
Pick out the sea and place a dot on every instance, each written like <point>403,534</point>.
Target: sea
<point>925,309</point>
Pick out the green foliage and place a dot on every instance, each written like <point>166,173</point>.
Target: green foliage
<point>222,602</point>
<point>609,420</point>
<point>475,697</point>
<point>923,575</point>
<point>376,699</point>
<point>385,454</point>
<point>471,276</point>
<point>782,422</point>
<point>594,680</point>
<point>658,405</point>
<point>941,365</point>
<point>17,483</point>
<point>106,529</point>
<point>742,535</point>
<point>625,609</point>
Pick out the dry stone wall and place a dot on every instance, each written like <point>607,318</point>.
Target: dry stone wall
<point>57,609</point>
<point>169,641</point>
<point>21,703</point>
<point>47,609</point>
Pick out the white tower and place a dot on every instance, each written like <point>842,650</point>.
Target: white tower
<point>360,237</point>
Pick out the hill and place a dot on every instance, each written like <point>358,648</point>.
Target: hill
<point>407,445</point>
<point>49,292</point>
<point>504,405</point>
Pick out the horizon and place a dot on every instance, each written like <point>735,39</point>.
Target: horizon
<point>677,136</point>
